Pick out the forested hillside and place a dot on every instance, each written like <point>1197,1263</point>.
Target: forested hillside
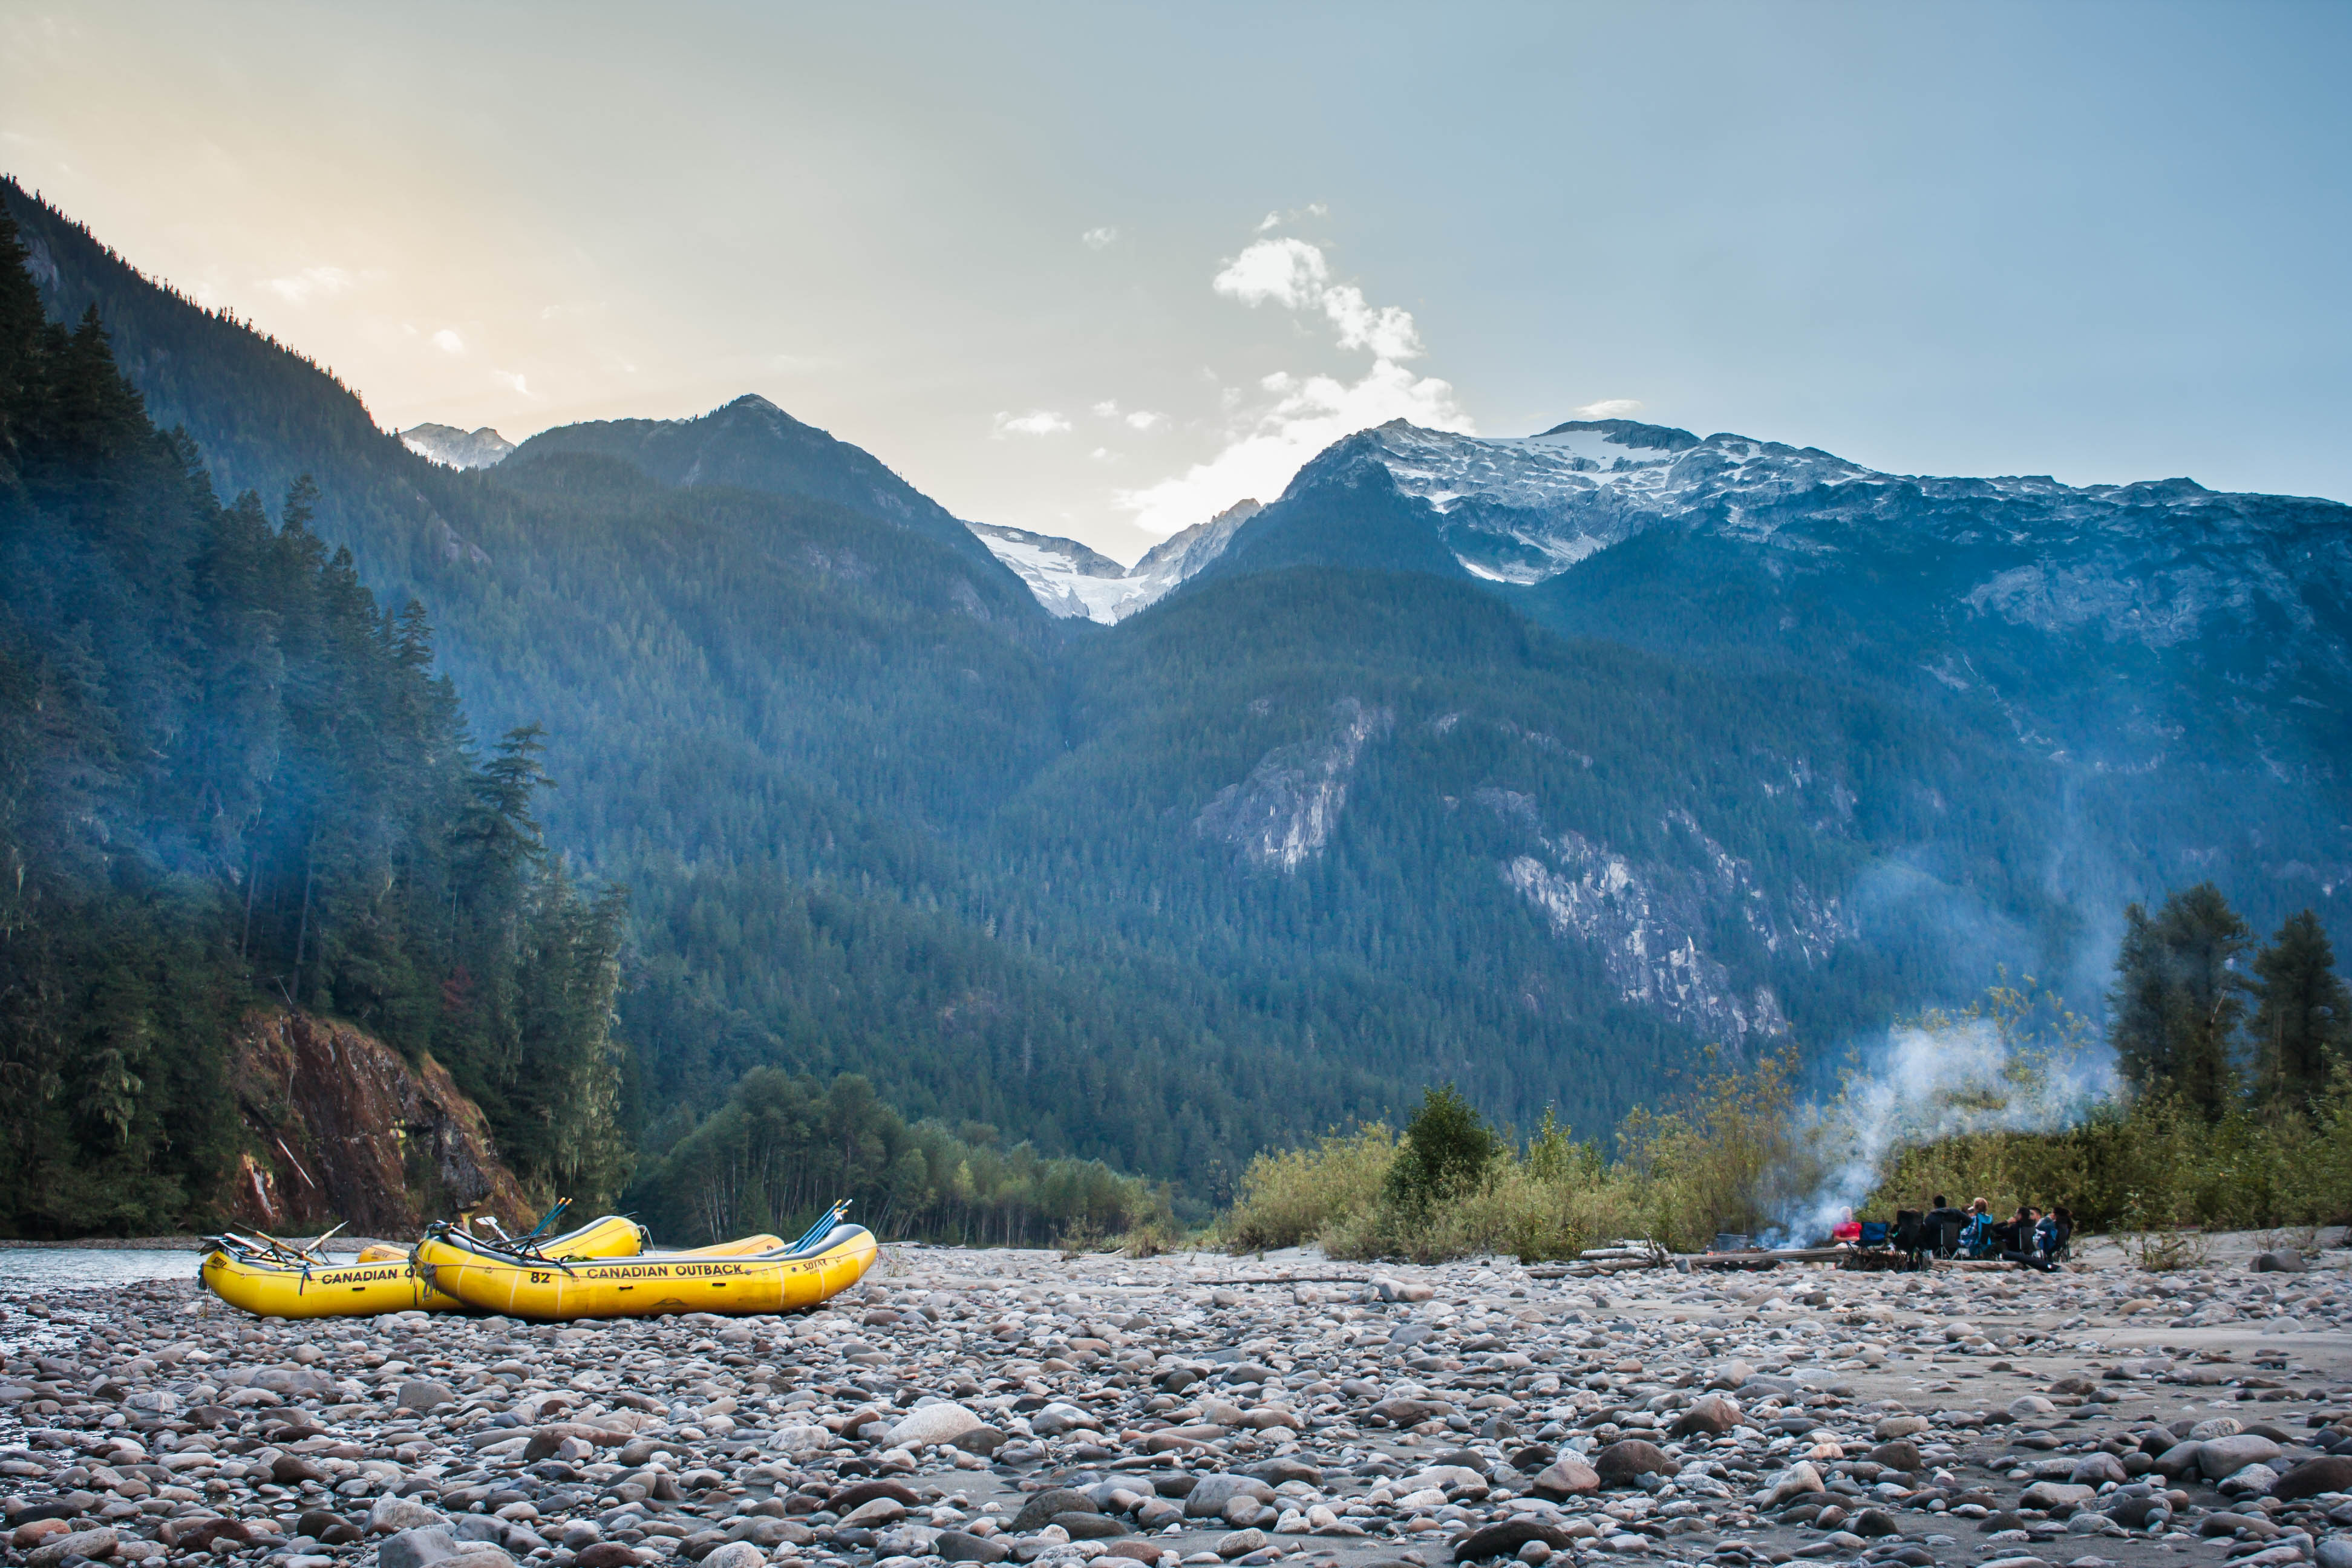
<point>224,770</point>
<point>1340,817</point>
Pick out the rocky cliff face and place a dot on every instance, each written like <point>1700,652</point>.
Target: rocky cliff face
<point>1283,812</point>
<point>339,1126</point>
<point>1649,923</point>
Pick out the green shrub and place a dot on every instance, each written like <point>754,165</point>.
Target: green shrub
<point>2151,1164</point>
<point>1448,1148</point>
<point>1291,1198</point>
<point>1453,1187</point>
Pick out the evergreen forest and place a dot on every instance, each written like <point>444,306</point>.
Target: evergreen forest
<point>226,773</point>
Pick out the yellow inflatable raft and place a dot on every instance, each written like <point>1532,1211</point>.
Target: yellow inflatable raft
<point>271,1278</point>
<point>828,1260</point>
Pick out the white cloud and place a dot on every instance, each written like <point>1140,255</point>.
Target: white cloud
<point>513,378</point>
<point>1277,439</point>
<point>1611,408</point>
<point>448,342</point>
<point>1293,273</point>
<point>1099,239</point>
<point>1289,272</point>
<point>1037,422</point>
<point>1387,330</point>
<point>1276,220</point>
<point>312,283</point>
<point>1300,415</point>
<point>1139,420</point>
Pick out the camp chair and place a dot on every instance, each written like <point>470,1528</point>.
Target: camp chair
<point>1910,1235</point>
<point>1874,1233</point>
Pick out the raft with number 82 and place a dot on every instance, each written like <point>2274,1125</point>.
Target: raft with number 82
<point>830,1258</point>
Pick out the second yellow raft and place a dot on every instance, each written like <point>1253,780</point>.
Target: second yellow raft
<point>652,1284</point>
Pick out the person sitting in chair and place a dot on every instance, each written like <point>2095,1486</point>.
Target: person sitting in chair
<point>1847,1230</point>
<point>1976,1237</point>
<point>1912,1236</point>
<point>2056,1229</point>
<point>2030,1236</point>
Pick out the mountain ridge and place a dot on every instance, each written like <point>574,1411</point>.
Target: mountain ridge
<point>748,442</point>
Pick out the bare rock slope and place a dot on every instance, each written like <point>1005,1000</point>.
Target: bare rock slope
<point>338,1126</point>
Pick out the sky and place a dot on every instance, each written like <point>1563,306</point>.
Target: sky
<point>1103,269</point>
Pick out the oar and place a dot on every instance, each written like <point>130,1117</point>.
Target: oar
<point>285,1250</point>
<point>531,1240</point>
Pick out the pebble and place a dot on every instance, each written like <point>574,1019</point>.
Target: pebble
<point>986,1406</point>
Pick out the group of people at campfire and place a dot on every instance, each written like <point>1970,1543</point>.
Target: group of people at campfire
<point>2030,1237</point>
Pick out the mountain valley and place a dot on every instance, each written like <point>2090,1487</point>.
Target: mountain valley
<point>1544,766</point>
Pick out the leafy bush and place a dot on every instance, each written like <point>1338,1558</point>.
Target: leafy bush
<point>1447,1148</point>
<point>1679,1175</point>
<point>1296,1197</point>
<point>2153,1164</point>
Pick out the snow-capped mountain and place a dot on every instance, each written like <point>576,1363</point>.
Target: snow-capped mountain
<point>1941,576</point>
<point>456,449</point>
<point>2144,562</point>
<point>1069,579</point>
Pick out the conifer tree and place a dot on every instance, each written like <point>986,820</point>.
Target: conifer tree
<point>2302,1014</point>
<point>2177,1000</point>
<point>1447,1147</point>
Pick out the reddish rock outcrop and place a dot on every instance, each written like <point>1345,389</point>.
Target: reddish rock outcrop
<point>338,1126</point>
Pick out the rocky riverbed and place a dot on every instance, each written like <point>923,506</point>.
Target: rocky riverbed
<point>985,1405</point>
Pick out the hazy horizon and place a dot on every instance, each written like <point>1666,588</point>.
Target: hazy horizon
<point>1103,273</point>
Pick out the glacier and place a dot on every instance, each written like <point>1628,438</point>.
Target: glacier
<point>1071,580</point>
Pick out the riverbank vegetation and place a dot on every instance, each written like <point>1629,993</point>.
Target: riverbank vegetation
<point>2228,1106</point>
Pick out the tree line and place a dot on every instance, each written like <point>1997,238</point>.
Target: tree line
<point>784,1147</point>
<point>2200,1014</point>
